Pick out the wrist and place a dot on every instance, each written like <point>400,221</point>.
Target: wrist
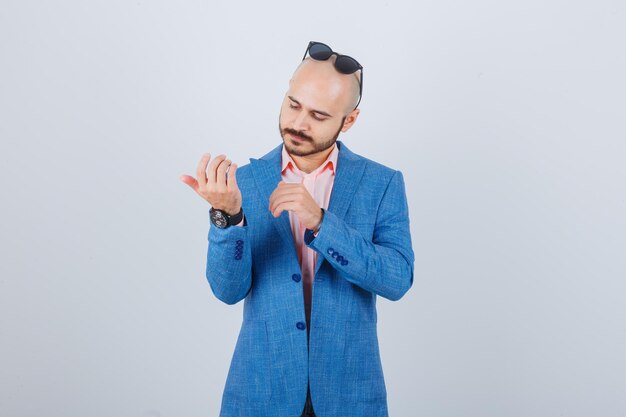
<point>316,229</point>
<point>233,212</point>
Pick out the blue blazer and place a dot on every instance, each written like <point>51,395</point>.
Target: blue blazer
<point>364,247</point>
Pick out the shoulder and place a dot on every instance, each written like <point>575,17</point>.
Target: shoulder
<point>373,170</point>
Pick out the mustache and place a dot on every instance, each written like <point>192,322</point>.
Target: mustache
<point>297,133</point>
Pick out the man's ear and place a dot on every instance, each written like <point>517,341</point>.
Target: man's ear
<point>350,119</point>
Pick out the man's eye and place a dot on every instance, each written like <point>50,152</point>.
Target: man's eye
<point>316,117</point>
<point>293,106</point>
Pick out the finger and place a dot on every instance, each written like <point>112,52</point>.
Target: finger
<point>201,170</point>
<point>190,181</point>
<point>284,184</point>
<point>284,197</point>
<point>275,194</point>
<point>212,169</point>
<point>220,178</point>
<point>289,206</point>
<point>290,186</point>
<point>281,189</point>
<point>231,178</point>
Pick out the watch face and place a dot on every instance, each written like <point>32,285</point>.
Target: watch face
<point>218,219</point>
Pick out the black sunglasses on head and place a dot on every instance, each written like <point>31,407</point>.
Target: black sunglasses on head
<point>344,63</point>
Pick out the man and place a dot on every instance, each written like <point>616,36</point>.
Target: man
<point>308,235</point>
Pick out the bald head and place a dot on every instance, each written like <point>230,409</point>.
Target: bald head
<point>322,76</point>
<point>318,106</point>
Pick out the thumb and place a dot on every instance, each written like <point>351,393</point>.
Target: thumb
<point>190,181</point>
<point>231,180</point>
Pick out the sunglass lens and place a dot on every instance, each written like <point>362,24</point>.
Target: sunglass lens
<point>320,52</point>
<point>346,65</point>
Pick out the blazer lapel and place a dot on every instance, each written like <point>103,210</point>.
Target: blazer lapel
<point>350,168</point>
<point>267,174</point>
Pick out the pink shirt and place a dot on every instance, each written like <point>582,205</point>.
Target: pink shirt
<point>319,184</point>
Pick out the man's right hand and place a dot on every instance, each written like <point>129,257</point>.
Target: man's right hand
<point>213,185</point>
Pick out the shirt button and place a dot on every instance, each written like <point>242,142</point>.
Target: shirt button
<point>239,242</point>
<point>296,277</point>
<point>300,325</point>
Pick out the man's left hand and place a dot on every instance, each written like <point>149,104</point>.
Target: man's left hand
<point>296,198</point>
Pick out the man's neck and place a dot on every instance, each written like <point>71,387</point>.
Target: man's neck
<point>310,163</point>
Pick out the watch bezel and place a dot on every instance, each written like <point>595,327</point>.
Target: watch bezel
<point>219,218</point>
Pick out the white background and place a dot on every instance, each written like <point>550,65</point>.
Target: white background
<point>506,118</point>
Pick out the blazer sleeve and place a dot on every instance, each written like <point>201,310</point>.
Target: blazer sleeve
<point>229,263</point>
<point>382,265</point>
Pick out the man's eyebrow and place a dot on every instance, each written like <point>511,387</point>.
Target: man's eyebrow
<point>323,113</point>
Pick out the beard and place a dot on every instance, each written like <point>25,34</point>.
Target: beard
<point>301,149</point>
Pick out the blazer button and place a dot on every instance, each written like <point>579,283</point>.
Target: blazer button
<point>296,277</point>
<point>344,262</point>
<point>300,325</point>
<point>330,251</point>
<point>340,259</point>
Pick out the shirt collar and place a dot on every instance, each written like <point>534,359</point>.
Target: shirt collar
<point>330,163</point>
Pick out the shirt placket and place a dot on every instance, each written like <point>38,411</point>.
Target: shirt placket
<point>308,255</point>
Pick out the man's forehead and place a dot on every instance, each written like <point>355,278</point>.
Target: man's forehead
<point>311,97</point>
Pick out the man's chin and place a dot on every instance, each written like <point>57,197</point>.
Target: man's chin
<point>295,146</point>
<point>297,149</point>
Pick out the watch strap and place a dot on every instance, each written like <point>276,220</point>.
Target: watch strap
<point>236,218</point>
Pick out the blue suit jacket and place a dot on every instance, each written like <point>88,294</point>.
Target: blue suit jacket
<point>364,248</point>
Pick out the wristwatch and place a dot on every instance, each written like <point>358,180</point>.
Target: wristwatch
<point>221,220</point>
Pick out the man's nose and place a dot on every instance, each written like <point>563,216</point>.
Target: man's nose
<point>300,123</point>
